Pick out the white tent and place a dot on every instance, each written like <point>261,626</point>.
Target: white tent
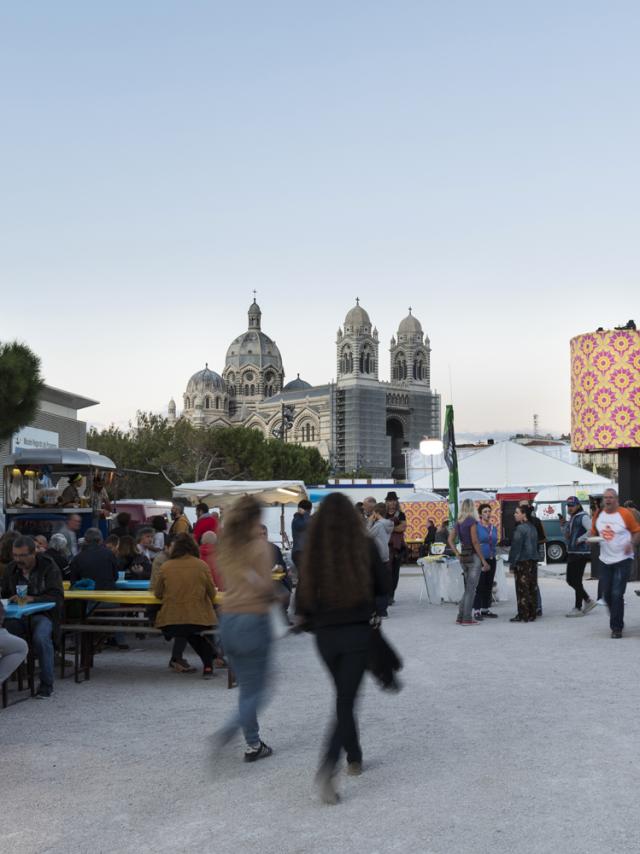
<point>508,464</point>
<point>216,493</point>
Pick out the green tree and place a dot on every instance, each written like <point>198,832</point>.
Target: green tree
<point>20,387</point>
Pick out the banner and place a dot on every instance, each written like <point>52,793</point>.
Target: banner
<point>451,459</point>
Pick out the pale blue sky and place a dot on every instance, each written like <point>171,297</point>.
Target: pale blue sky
<point>476,160</point>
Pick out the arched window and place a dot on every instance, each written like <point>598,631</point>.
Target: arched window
<point>207,402</point>
<point>365,360</point>
<point>253,390</point>
<point>217,403</point>
<point>346,361</point>
<point>246,391</point>
<point>187,403</point>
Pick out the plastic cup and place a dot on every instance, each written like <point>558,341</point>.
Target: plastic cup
<point>21,590</point>
<point>121,576</point>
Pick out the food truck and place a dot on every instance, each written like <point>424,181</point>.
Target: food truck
<point>42,487</point>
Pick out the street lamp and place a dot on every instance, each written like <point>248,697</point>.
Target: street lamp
<point>431,448</point>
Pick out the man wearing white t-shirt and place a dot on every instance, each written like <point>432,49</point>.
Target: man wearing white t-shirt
<point>619,531</point>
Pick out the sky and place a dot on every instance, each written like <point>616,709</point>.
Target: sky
<point>477,161</point>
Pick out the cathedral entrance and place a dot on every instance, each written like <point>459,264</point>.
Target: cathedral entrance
<point>396,431</point>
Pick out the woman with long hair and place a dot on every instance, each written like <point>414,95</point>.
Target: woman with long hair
<point>341,576</point>
<point>471,559</point>
<point>523,560</point>
<point>133,563</point>
<point>488,538</point>
<point>245,560</point>
<point>184,585</point>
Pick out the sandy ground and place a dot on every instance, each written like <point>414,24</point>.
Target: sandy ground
<point>506,738</point>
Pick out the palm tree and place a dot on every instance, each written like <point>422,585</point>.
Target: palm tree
<point>20,387</point>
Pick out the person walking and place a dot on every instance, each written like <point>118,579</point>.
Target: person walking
<point>576,531</point>
<point>488,538</point>
<point>397,544</point>
<point>380,530</point>
<point>620,532</point>
<point>341,578</point>
<point>523,560</point>
<point>245,559</point>
<point>299,525</point>
<point>184,585</point>
<point>471,559</point>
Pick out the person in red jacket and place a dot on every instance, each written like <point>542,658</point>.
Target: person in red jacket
<point>206,522</point>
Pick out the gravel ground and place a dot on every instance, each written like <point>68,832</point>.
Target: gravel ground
<point>506,738</point>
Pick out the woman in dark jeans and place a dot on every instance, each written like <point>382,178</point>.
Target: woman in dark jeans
<point>341,576</point>
<point>488,538</point>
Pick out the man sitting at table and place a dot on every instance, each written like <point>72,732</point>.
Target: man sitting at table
<point>95,561</point>
<point>44,584</point>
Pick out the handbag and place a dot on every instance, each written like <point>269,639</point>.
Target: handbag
<point>383,662</point>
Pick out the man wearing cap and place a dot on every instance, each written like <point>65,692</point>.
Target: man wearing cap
<point>396,540</point>
<point>619,532</point>
<point>576,531</point>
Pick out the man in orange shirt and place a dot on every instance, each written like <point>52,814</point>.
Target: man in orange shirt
<point>619,532</point>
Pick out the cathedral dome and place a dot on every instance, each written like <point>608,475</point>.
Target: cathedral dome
<point>297,385</point>
<point>357,318</point>
<point>205,380</point>
<point>410,325</point>
<point>253,348</point>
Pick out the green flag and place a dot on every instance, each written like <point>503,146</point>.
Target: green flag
<point>451,459</point>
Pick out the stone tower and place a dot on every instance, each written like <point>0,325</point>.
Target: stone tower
<point>357,347</point>
<point>410,354</point>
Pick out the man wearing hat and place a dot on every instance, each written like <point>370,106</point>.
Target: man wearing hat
<point>576,531</point>
<point>396,540</point>
<point>70,496</point>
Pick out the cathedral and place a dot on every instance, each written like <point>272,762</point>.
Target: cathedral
<point>357,422</point>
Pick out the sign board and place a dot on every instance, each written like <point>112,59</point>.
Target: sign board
<point>33,437</point>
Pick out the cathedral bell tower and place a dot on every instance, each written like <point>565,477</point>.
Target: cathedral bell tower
<point>357,347</point>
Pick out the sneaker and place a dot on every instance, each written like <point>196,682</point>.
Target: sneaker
<point>588,606</point>
<point>207,673</point>
<point>354,769</point>
<point>181,665</point>
<point>616,633</point>
<point>516,619</point>
<point>575,612</point>
<point>601,602</point>
<point>44,691</point>
<point>539,612</point>
<point>325,780</point>
<point>470,623</point>
<point>477,616</point>
<point>489,614</point>
<point>252,754</point>
<point>458,621</point>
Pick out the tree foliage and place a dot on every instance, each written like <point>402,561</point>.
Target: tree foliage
<point>20,387</point>
<point>183,453</point>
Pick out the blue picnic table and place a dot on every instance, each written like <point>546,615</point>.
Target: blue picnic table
<point>132,585</point>
<point>13,611</point>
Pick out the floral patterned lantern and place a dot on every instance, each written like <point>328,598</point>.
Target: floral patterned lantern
<point>605,390</point>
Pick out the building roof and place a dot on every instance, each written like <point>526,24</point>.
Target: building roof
<point>205,380</point>
<point>296,385</point>
<point>357,318</point>
<point>66,398</point>
<point>410,325</point>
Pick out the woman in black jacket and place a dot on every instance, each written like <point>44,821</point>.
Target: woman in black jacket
<point>341,576</point>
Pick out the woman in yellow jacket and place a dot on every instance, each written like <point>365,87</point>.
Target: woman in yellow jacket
<point>184,585</point>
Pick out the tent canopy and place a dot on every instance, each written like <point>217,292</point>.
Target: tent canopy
<point>218,492</point>
<point>422,497</point>
<point>510,464</point>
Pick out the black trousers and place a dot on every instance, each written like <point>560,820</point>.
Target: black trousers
<point>576,564</point>
<point>188,634</point>
<point>395,559</point>
<point>484,590</point>
<point>344,649</point>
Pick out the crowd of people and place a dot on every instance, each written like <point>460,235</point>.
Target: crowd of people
<point>346,559</point>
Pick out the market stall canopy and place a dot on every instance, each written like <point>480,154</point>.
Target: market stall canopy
<point>35,457</point>
<point>421,497</point>
<point>510,464</point>
<point>218,492</point>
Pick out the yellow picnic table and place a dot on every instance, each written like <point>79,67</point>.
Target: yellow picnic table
<point>120,597</point>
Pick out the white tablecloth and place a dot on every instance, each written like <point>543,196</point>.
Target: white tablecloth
<point>444,582</point>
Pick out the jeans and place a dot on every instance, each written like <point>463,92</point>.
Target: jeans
<point>576,564</point>
<point>13,651</point>
<point>246,639</point>
<point>471,568</point>
<point>484,591</point>
<point>614,577</point>
<point>344,649</point>
<point>395,560</point>
<point>383,601</point>
<point>42,637</point>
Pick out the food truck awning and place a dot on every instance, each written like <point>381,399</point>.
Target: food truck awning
<point>217,492</point>
<point>59,457</point>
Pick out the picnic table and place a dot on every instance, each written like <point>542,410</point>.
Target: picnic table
<point>13,611</point>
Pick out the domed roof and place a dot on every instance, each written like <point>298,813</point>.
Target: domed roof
<point>410,325</point>
<point>253,348</point>
<point>205,380</point>
<point>357,317</point>
<point>297,385</point>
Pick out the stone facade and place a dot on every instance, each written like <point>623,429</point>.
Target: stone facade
<point>358,422</point>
